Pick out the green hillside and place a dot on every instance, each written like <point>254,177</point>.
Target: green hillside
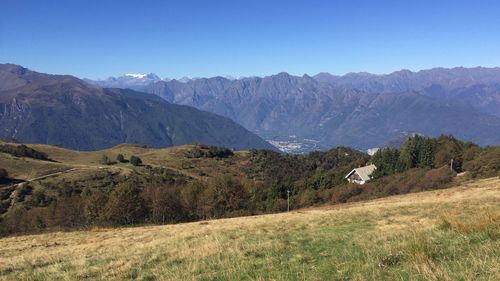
<point>49,188</point>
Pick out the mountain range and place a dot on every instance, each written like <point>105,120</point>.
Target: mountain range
<point>64,110</point>
<point>360,110</point>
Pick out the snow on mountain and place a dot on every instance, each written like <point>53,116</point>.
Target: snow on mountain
<point>134,75</point>
<point>135,81</point>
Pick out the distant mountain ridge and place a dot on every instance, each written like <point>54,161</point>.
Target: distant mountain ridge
<point>358,109</point>
<point>477,87</point>
<point>128,81</point>
<point>406,80</point>
<point>64,110</point>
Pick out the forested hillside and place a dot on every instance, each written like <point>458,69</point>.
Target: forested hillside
<point>112,187</point>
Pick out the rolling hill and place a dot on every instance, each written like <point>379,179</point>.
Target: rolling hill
<point>63,110</point>
<point>446,229</point>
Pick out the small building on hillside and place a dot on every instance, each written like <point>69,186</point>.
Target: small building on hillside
<point>361,175</point>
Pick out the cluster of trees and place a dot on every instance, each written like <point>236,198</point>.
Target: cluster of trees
<point>483,163</point>
<point>426,153</point>
<point>134,160</point>
<point>23,151</point>
<point>160,195</point>
<point>202,150</point>
<point>135,202</point>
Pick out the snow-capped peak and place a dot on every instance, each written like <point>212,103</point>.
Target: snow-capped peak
<point>135,75</point>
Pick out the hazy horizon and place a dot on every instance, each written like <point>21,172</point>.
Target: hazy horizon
<point>227,76</point>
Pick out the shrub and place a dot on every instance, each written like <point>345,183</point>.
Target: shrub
<point>164,204</point>
<point>134,160</point>
<point>223,196</point>
<point>105,160</point>
<point>343,194</point>
<point>95,205</point>
<point>307,198</point>
<point>190,197</point>
<point>120,158</point>
<point>125,205</point>
<point>68,213</point>
<point>39,199</point>
<point>486,164</point>
<point>209,152</point>
<point>437,177</point>
<point>218,152</point>
<point>3,174</point>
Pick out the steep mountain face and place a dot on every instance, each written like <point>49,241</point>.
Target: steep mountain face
<point>405,80</point>
<point>41,108</point>
<point>282,105</point>
<point>359,109</point>
<point>478,88</point>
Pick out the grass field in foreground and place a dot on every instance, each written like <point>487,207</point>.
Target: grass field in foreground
<point>450,234</point>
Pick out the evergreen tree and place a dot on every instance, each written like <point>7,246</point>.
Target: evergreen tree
<point>120,158</point>
<point>134,160</point>
<point>387,162</point>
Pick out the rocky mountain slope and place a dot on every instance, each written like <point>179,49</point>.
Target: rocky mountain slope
<point>64,110</point>
<point>359,109</point>
<point>478,88</point>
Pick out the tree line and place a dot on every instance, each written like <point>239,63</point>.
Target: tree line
<point>152,195</point>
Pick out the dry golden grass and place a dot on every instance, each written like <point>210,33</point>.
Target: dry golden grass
<point>173,158</point>
<point>450,234</point>
<point>26,168</point>
<point>71,164</point>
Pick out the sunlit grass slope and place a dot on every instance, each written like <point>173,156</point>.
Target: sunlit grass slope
<point>72,164</point>
<point>451,234</point>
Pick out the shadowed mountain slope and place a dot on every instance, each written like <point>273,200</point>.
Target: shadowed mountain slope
<point>53,109</point>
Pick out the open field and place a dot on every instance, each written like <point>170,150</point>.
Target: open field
<point>450,234</point>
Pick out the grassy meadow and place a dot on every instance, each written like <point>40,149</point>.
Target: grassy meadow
<point>449,234</point>
<point>71,163</point>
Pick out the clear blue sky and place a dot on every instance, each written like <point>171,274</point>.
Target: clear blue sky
<point>96,39</point>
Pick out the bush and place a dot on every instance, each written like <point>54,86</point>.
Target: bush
<point>486,164</point>
<point>134,160</point>
<point>95,205</point>
<point>307,198</point>
<point>125,205</point>
<point>120,158</point>
<point>209,152</point>
<point>218,152</point>
<point>105,160</point>
<point>346,193</point>
<point>164,204</point>
<point>3,174</point>
<point>68,213</point>
<point>222,197</point>
<point>437,177</point>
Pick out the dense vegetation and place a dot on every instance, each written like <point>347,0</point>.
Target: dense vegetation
<point>210,152</point>
<point>23,151</point>
<point>422,152</point>
<point>160,195</point>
